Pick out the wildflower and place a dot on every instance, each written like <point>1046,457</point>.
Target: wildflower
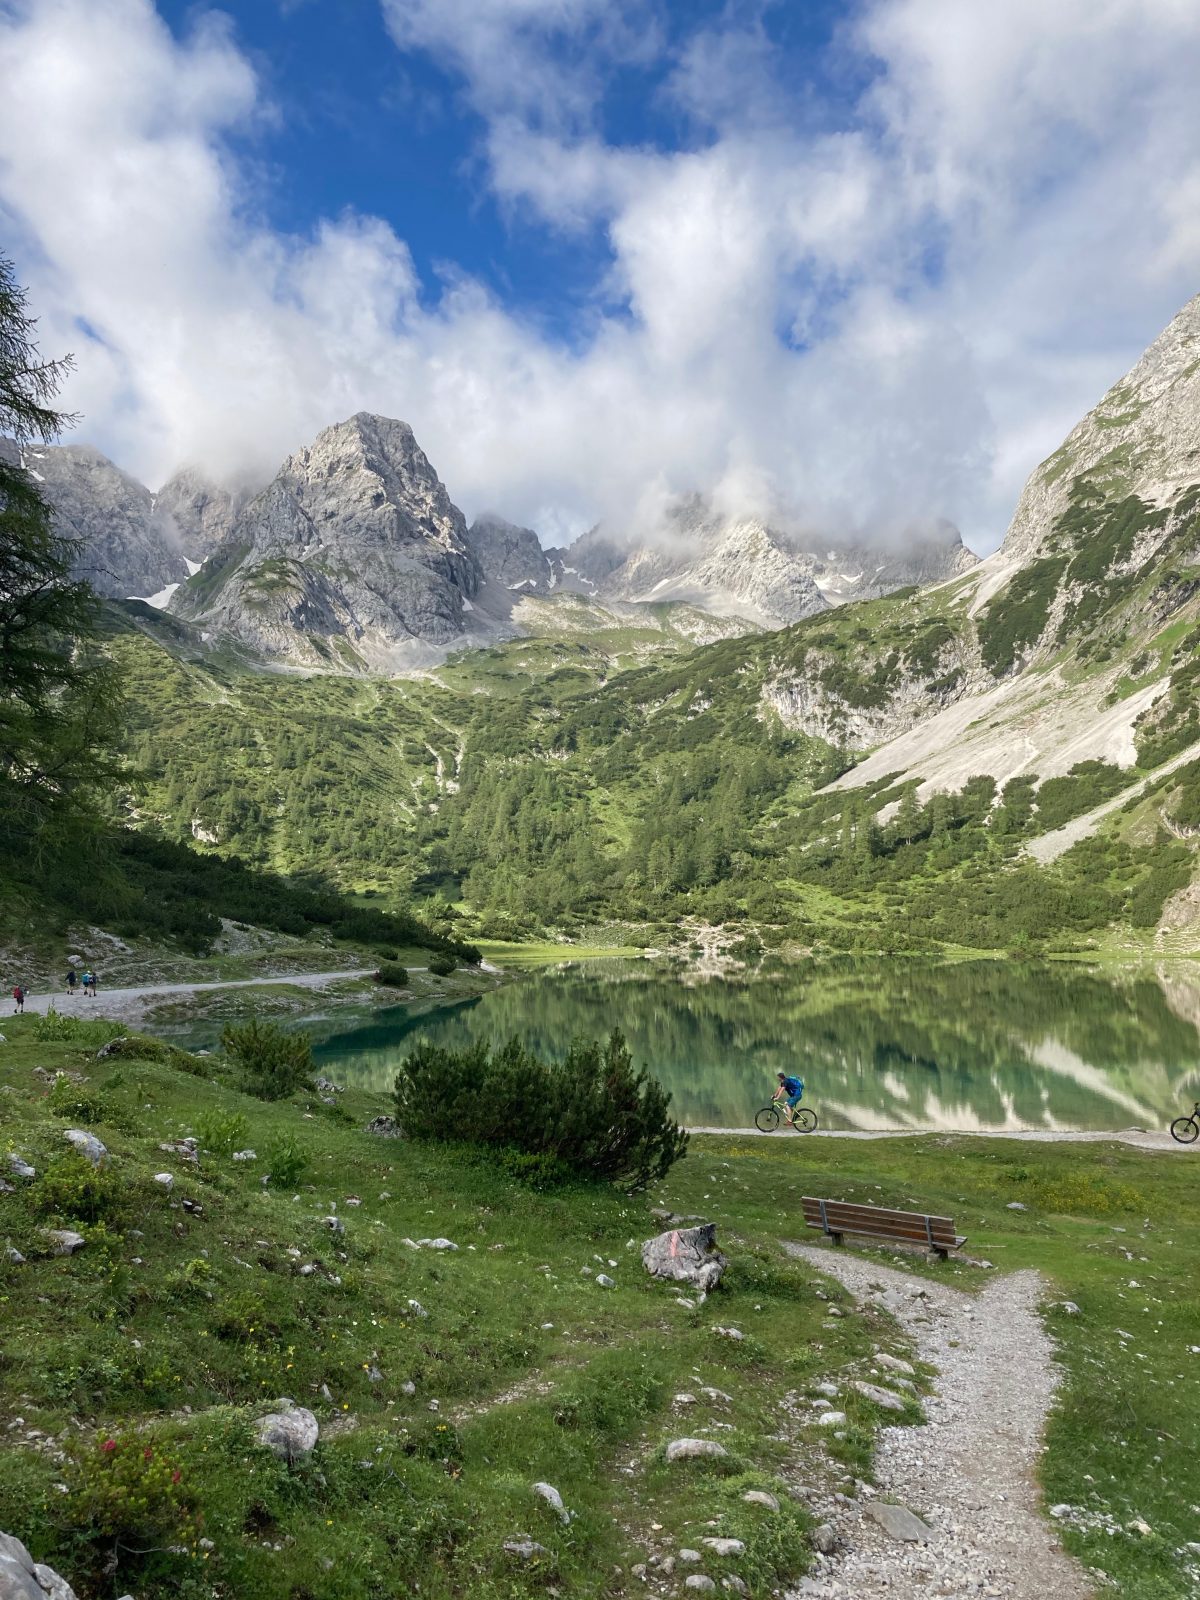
<point>109,1446</point>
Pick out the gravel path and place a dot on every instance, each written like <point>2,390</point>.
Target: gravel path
<point>1142,1138</point>
<point>969,1471</point>
<point>124,1004</point>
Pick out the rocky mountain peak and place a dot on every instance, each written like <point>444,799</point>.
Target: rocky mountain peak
<point>201,509</point>
<point>353,555</point>
<point>510,555</point>
<point>1143,438</point>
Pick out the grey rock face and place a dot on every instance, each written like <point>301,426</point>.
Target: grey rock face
<point>686,1255</point>
<point>510,556</point>
<point>22,1578</point>
<point>64,1241</point>
<point>351,553</point>
<point>125,546</point>
<point>201,511</point>
<point>1143,438</point>
<point>290,1433</point>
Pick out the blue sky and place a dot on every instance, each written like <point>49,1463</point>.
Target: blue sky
<point>852,266</point>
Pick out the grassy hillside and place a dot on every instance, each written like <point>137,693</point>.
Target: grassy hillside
<point>447,1383</point>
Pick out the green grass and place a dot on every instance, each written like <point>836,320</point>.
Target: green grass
<point>185,1324</point>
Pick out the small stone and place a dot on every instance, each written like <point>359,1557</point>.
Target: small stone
<point>13,1256</point>
<point>525,1548</point>
<point>165,1180</point>
<point>245,1155</point>
<point>1060,1511</point>
<point>1016,1205</point>
<point>899,1522</point>
<point>879,1397</point>
<point>87,1144</point>
<point>334,1224</point>
<point>64,1241</point>
<point>20,1168</point>
<point>417,1309</point>
<point>831,1419</point>
<point>695,1450</point>
<point>823,1539</point>
<point>699,1584</point>
<point>725,1547</point>
<point>548,1493</point>
<point>690,1556</point>
<point>760,1497</point>
<point>734,1584</point>
<point>735,1334</point>
<point>408,1387</point>
<point>436,1244</point>
<point>605,1282</point>
<point>1067,1306</point>
<point>894,1364</point>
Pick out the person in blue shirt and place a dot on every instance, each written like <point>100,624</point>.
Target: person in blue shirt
<point>791,1090</point>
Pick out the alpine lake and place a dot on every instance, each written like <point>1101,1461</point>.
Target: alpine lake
<point>880,1044</point>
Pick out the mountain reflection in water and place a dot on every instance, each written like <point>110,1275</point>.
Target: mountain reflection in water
<point>880,1044</point>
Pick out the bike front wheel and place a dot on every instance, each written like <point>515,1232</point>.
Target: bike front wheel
<point>1185,1130</point>
<point>767,1120</point>
<point>804,1120</point>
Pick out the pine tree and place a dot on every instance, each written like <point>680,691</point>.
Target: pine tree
<point>58,696</point>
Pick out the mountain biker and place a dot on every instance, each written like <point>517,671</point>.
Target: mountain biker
<point>790,1089</point>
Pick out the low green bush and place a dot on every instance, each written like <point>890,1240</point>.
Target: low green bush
<point>75,1191</point>
<point>272,1063</point>
<point>592,1114</point>
<point>287,1160</point>
<point>394,975</point>
<point>126,1493</point>
<point>222,1132</point>
<point>78,1102</point>
<point>441,966</point>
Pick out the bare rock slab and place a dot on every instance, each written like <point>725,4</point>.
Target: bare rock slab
<point>686,1255</point>
<point>899,1522</point>
<point>695,1450</point>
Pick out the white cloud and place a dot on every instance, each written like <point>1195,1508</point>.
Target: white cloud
<point>769,325</point>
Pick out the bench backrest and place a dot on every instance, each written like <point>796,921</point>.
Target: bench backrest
<point>841,1216</point>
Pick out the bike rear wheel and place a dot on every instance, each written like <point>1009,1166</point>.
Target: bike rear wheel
<point>804,1119</point>
<point>767,1120</point>
<point>1185,1130</point>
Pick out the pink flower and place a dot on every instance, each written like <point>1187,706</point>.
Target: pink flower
<point>109,1446</point>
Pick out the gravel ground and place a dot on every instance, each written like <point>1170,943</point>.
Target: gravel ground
<point>969,1471</point>
<point>1142,1138</point>
<point>129,1005</point>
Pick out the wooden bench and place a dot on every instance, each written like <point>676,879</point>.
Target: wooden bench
<point>838,1217</point>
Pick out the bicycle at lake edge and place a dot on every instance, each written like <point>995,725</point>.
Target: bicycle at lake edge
<point>1186,1130</point>
<point>769,1118</point>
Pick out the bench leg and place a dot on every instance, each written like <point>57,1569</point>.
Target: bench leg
<point>942,1255</point>
<point>836,1237</point>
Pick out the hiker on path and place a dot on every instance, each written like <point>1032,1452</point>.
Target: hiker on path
<point>87,981</point>
<point>72,980</point>
<point>18,999</point>
<point>95,980</point>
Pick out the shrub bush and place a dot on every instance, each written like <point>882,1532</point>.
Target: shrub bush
<point>287,1160</point>
<point>222,1132</point>
<point>592,1114</point>
<point>273,1063</point>
<point>127,1492</point>
<point>78,1102</point>
<point>71,1188</point>
<point>441,966</point>
<point>394,975</point>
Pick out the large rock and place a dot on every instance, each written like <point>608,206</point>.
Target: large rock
<point>291,1432</point>
<point>898,1521</point>
<point>22,1578</point>
<point>686,1255</point>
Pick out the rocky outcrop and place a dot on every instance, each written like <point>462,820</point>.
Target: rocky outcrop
<point>350,557</point>
<point>23,1578</point>
<point>201,511</point>
<point>1143,438</point>
<point>290,1433</point>
<point>510,556</point>
<point>124,545</point>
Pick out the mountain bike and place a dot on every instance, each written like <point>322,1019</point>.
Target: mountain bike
<point>1186,1130</point>
<point>769,1118</point>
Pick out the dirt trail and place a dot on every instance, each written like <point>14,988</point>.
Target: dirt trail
<point>969,1472</point>
<point>124,1005</point>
